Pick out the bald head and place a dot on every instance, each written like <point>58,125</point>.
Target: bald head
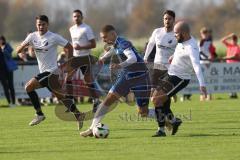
<point>182,26</point>
<point>182,31</point>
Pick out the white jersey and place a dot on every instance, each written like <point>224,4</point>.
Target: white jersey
<point>186,61</point>
<point>165,46</point>
<point>45,47</point>
<point>81,35</point>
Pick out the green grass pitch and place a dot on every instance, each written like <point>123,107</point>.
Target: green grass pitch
<point>210,131</point>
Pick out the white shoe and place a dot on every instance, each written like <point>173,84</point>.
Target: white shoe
<point>37,120</point>
<point>87,133</point>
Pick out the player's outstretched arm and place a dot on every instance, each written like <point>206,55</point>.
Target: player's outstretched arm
<point>31,51</point>
<point>149,49</point>
<point>21,47</point>
<point>225,39</point>
<point>107,54</point>
<point>20,51</point>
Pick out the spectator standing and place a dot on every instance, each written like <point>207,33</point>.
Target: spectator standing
<point>9,65</point>
<point>232,53</point>
<point>207,51</point>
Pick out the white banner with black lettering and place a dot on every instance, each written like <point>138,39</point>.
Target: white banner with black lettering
<point>219,77</point>
<point>21,76</point>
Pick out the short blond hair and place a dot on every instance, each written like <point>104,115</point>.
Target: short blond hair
<point>205,30</point>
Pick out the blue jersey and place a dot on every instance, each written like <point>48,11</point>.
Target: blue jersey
<point>134,77</point>
<point>136,68</point>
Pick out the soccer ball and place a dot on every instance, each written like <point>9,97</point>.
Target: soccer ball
<point>101,131</point>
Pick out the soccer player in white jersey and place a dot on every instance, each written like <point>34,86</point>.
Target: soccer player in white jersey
<point>164,40</point>
<point>185,61</point>
<point>83,41</point>
<point>45,45</point>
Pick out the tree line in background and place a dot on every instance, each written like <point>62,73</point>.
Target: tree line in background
<point>134,18</point>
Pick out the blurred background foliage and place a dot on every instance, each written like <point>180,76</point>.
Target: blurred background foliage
<point>134,19</point>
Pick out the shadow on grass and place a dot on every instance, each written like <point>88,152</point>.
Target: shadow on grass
<point>4,106</point>
<point>21,152</point>
<point>118,138</point>
<point>137,129</point>
<point>226,128</point>
<point>212,135</point>
<point>226,98</point>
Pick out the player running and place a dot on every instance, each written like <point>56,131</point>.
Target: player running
<point>133,77</point>
<point>185,61</point>
<point>164,40</point>
<point>83,41</point>
<point>45,45</point>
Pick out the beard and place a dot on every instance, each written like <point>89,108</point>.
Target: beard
<point>180,39</point>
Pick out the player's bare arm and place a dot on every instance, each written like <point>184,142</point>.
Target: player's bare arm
<point>20,50</point>
<point>91,45</point>
<point>69,50</point>
<point>31,51</point>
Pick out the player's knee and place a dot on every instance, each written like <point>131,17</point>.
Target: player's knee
<point>28,87</point>
<point>157,101</point>
<point>154,100</point>
<point>111,98</point>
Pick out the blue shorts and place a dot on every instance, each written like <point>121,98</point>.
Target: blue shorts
<point>139,84</point>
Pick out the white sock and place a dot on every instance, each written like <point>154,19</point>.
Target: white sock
<point>161,129</point>
<point>151,112</point>
<point>95,100</point>
<point>99,115</point>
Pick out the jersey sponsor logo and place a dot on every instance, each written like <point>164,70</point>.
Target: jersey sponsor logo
<point>39,46</point>
<point>41,50</point>
<point>45,43</point>
<point>163,47</point>
<point>36,43</point>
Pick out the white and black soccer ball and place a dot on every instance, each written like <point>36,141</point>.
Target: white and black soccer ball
<point>101,131</point>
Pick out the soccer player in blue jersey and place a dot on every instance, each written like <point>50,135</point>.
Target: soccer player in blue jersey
<point>133,76</point>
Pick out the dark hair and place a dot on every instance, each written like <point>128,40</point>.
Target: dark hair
<point>78,11</point>
<point>169,12</point>
<point>42,18</point>
<point>107,28</point>
<point>235,38</point>
<point>3,39</point>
